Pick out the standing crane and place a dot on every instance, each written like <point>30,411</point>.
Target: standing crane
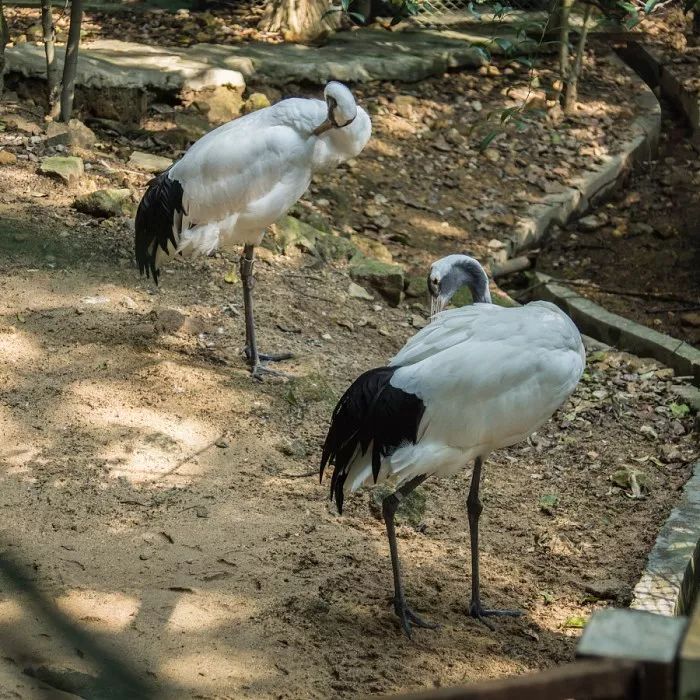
<point>474,380</point>
<point>240,178</point>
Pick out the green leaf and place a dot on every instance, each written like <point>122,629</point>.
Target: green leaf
<point>524,61</point>
<point>575,622</point>
<point>357,16</point>
<point>650,5</point>
<point>506,114</point>
<point>484,143</point>
<point>548,503</point>
<point>505,45</point>
<point>679,410</point>
<point>547,597</point>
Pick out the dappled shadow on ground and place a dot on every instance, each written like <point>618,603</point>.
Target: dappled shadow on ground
<point>147,495</point>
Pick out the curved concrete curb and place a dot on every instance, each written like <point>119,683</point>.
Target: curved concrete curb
<point>610,328</point>
<point>656,72</point>
<point>670,581</point>
<point>592,185</point>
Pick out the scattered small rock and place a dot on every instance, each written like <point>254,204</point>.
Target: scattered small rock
<point>74,133</point>
<point>223,444</point>
<point>671,454</point>
<point>106,203</point>
<point>15,121</point>
<point>609,589</point>
<point>358,292</point>
<point>67,168</point>
<point>148,162</point>
<point>418,321</point>
<point>592,222</point>
<point>7,157</point>
<point>255,101</point>
<point>219,104</point>
<point>387,279</point>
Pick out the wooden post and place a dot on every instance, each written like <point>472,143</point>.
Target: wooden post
<point>651,640</point>
<point>689,662</point>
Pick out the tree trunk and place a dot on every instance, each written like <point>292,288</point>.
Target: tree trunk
<point>70,64</point>
<point>562,19</point>
<point>4,38</point>
<point>299,20</point>
<point>571,85</point>
<point>50,49</point>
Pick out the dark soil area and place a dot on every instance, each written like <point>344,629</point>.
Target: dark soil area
<point>645,256</point>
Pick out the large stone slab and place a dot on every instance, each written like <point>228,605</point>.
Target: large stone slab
<point>359,56</point>
<point>109,63</point>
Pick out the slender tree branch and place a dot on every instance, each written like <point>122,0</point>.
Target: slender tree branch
<point>70,64</point>
<point>571,87</point>
<point>50,49</point>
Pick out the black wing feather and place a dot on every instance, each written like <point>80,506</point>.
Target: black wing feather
<point>155,224</point>
<point>371,412</point>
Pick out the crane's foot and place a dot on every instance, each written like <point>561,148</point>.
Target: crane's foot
<point>278,357</point>
<point>480,613</point>
<point>409,619</point>
<point>259,371</point>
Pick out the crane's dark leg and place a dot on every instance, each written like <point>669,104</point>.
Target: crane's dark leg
<point>474,509</point>
<point>389,505</point>
<point>251,349</point>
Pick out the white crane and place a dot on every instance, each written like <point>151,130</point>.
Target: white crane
<point>475,379</point>
<point>240,178</point>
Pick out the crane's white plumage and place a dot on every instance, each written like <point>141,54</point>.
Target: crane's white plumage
<point>474,380</point>
<point>488,376</point>
<point>240,178</point>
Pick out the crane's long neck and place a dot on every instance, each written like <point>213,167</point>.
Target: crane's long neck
<point>473,276</point>
<point>338,145</point>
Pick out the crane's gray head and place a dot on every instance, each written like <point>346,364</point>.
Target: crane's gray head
<point>450,274</point>
<point>342,108</point>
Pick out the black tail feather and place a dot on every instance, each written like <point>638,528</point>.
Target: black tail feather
<point>371,412</point>
<point>157,221</point>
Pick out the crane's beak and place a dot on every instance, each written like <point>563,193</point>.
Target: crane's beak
<point>328,124</point>
<point>437,305</point>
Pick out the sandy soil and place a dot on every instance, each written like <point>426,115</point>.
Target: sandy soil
<point>149,490</point>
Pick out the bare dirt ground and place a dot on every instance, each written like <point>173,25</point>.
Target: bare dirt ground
<point>153,491</point>
<point>148,490</point>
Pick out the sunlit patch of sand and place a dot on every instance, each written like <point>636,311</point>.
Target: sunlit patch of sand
<point>108,612</point>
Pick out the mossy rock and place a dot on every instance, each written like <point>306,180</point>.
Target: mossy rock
<point>67,168</point>
<point>291,232</point>
<point>371,248</point>
<point>411,510</point>
<point>332,247</point>
<point>385,278</point>
<point>417,287</point>
<point>106,203</point>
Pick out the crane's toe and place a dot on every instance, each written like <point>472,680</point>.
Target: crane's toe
<point>278,357</point>
<point>409,619</point>
<point>259,371</point>
<point>480,613</point>
<point>263,357</point>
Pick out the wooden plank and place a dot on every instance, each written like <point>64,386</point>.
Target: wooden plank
<point>689,659</point>
<point>581,680</point>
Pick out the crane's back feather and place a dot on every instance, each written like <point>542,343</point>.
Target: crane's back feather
<point>158,222</point>
<point>372,414</point>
